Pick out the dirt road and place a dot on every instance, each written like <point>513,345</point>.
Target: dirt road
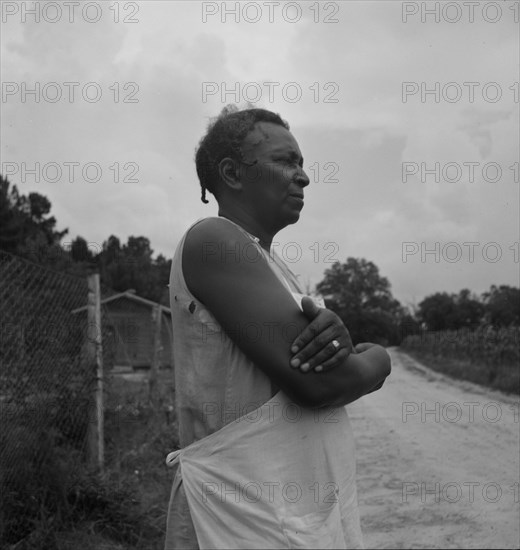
<point>438,462</point>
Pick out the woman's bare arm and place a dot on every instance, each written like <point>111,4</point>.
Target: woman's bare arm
<point>241,292</point>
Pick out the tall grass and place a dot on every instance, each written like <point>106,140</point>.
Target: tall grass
<point>51,501</point>
<point>487,355</point>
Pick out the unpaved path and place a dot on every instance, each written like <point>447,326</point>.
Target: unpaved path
<point>438,462</point>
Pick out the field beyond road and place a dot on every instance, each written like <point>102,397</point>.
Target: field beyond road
<point>438,462</point>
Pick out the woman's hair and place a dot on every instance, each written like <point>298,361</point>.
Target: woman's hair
<point>223,138</point>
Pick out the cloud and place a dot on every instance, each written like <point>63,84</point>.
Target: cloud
<point>351,121</point>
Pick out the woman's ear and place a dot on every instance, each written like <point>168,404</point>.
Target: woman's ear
<point>229,173</point>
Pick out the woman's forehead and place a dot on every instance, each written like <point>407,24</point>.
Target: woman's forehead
<point>269,137</point>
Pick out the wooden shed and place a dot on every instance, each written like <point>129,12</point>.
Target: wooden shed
<point>129,332</point>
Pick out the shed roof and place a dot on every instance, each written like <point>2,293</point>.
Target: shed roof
<point>131,295</point>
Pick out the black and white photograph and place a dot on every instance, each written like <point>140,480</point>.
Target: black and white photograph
<point>259,274</point>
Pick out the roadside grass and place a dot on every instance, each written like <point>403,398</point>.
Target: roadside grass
<point>502,377</point>
<point>486,355</point>
<point>57,504</point>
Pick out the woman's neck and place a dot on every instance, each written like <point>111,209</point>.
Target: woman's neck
<point>250,225</point>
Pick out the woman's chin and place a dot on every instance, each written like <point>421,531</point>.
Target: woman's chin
<point>293,217</point>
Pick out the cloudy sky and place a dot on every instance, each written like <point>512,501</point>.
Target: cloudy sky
<point>407,115</point>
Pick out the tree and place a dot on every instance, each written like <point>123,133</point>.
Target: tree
<point>132,266</point>
<point>469,309</point>
<point>502,305</point>
<point>110,266</point>
<point>10,218</point>
<point>26,228</point>
<point>443,311</point>
<point>80,251</point>
<point>363,300</point>
<point>437,311</point>
<point>162,268</point>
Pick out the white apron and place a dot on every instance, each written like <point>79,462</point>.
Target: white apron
<point>281,476</point>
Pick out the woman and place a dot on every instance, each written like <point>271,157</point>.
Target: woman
<point>236,309</point>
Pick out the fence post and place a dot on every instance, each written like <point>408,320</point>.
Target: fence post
<point>157,345</point>
<point>170,328</point>
<point>95,443</point>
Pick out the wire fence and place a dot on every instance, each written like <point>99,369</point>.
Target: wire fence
<point>60,342</point>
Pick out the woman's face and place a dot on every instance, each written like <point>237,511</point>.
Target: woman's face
<point>273,186</point>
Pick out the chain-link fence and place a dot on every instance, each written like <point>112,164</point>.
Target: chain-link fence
<point>64,409</point>
<point>46,383</point>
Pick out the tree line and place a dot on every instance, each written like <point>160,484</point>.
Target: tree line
<point>355,290</point>
<point>28,230</point>
<point>363,299</point>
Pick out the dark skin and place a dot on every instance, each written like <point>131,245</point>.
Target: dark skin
<point>263,195</point>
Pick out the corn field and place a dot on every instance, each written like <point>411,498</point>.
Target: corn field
<point>487,355</point>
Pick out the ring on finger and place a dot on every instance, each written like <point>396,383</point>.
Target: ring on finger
<point>336,344</point>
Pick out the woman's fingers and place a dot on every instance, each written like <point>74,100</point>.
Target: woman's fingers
<point>318,349</point>
<point>312,333</point>
<point>323,344</point>
<point>327,350</point>
<point>333,361</point>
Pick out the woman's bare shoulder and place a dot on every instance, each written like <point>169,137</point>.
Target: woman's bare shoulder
<point>211,230</point>
<point>212,251</point>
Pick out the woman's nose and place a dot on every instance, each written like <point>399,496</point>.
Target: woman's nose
<point>302,179</point>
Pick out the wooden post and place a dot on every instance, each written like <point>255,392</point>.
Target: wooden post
<point>172,343</point>
<point>22,366</point>
<point>169,331</point>
<point>157,348</point>
<point>95,443</point>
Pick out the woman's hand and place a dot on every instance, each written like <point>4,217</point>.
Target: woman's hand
<point>324,344</point>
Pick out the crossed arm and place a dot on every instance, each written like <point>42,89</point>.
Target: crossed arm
<point>239,291</point>
<point>312,348</point>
